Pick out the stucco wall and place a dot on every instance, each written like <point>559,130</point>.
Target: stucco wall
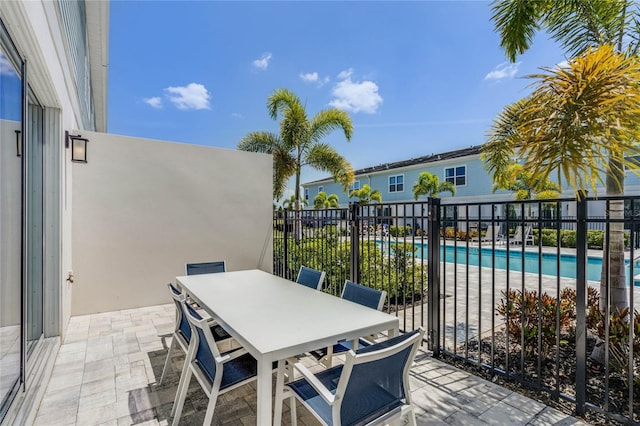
<point>143,208</point>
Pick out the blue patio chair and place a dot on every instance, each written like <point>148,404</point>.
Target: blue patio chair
<point>205,267</point>
<point>181,335</point>
<point>310,278</point>
<point>362,295</point>
<point>372,387</point>
<point>216,373</point>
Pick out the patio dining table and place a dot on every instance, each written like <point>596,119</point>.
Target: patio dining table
<point>275,319</point>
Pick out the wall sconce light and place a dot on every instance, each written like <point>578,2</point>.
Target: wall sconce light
<point>78,146</point>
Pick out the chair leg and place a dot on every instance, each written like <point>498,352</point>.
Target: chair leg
<point>167,361</point>
<point>292,409</point>
<point>279,400</point>
<point>178,404</point>
<point>328,359</point>
<point>208,417</point>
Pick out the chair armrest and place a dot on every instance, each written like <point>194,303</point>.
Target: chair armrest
<point>317,385</point>
<point>232,355</point>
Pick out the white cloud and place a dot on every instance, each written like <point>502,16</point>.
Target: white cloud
<point>564,64</point>
<point>309,77</point>
<point>345,74</point>
<point>192,96</point>
<point>355,96</point>
<point>154,102</point>
<point>263,62</point>
<point>314,77</point>
<point>502,71</point>
<point>5,66</point>
<point>237,115</point>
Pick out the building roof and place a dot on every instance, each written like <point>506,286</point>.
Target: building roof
<point>431,158</point>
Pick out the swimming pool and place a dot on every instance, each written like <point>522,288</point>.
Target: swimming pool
<point>483,257</point>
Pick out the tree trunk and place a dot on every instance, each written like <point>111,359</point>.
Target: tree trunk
<point>613,254</point>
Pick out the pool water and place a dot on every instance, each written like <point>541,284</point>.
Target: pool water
<point>483,257</point>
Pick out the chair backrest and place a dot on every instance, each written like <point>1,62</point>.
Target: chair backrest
<point>363,295</point>
<point>206,350</point>
<point>517,235</point>
<point>310,277</point>
<point>205,267</point>
<point>375,379</point>
<point>492,232</point>
<point>182,325</point>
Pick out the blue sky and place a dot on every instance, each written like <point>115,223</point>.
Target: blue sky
<point>416,77</point>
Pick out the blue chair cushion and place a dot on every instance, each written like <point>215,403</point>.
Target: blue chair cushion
<point>309,277</point>
<point>375,402</point>
<point>363,295</point>
<point>340,348</point>
<point>205,268</point>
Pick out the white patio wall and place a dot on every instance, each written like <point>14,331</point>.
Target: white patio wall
<point>143,208</point>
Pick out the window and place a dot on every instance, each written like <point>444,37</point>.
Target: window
<point>396,183</point>
<point>456,175</point>
<point>355,186</point>
<point>320,189</point>
<point>306,194</point>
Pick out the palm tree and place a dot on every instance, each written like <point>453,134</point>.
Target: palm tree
<point>527,185</point>
<point>579,25</point>
<point>428,184</point>
<point>578,122</point>
<point>300,143</point>
<point>365,195</point>
<point>324,201</point>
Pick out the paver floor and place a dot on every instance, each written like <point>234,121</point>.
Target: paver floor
<point>109,365</point>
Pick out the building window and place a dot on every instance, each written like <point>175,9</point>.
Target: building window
<point>396,183</point>
<point>355,186</point>
<point>320,189</point>
<point>456,175</point>
<point>306,194</point>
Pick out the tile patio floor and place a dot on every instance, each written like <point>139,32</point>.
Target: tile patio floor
<point>108,366</point>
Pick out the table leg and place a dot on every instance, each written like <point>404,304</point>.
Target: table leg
<point>263,386</point>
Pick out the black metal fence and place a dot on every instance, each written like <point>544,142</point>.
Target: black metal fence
<point>511,288</point>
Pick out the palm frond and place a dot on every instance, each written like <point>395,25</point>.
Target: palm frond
<point>517,22</point>
<point>328,120</point>
<point>324,157</point>
<point>264,142</point>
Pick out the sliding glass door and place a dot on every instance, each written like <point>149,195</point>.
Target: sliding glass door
<point>11,170</point>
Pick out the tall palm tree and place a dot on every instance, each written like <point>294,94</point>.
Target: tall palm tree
<point>579,121</point>
<point>579,25</point>
<point>300,142</point>
<point>324,201</point>
<point>428,184</point>
<point>365,195</point>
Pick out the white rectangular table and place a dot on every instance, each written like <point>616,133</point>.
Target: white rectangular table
<point>275,319</point>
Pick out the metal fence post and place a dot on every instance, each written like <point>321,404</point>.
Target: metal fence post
<point>354,221</point>
<point>581,302</point>
<point>433,275</point>
<point>285,244</point>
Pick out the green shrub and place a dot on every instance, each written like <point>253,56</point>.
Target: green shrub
<point>549,237</point>
<point>568,238</point>
<point>399,231</point>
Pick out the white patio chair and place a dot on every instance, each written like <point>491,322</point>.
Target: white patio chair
<point>216,373</point>
<point>372,387</point>
<point>205,267</point>
<point>362,295</point>
<point>181,335</point>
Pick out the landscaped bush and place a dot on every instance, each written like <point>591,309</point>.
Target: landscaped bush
<point>619,327</point>
<point>525,312</point>
<point>400,276</point>
<point>549,237</point>
<point>568,238</point>
<point>400,231</point>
